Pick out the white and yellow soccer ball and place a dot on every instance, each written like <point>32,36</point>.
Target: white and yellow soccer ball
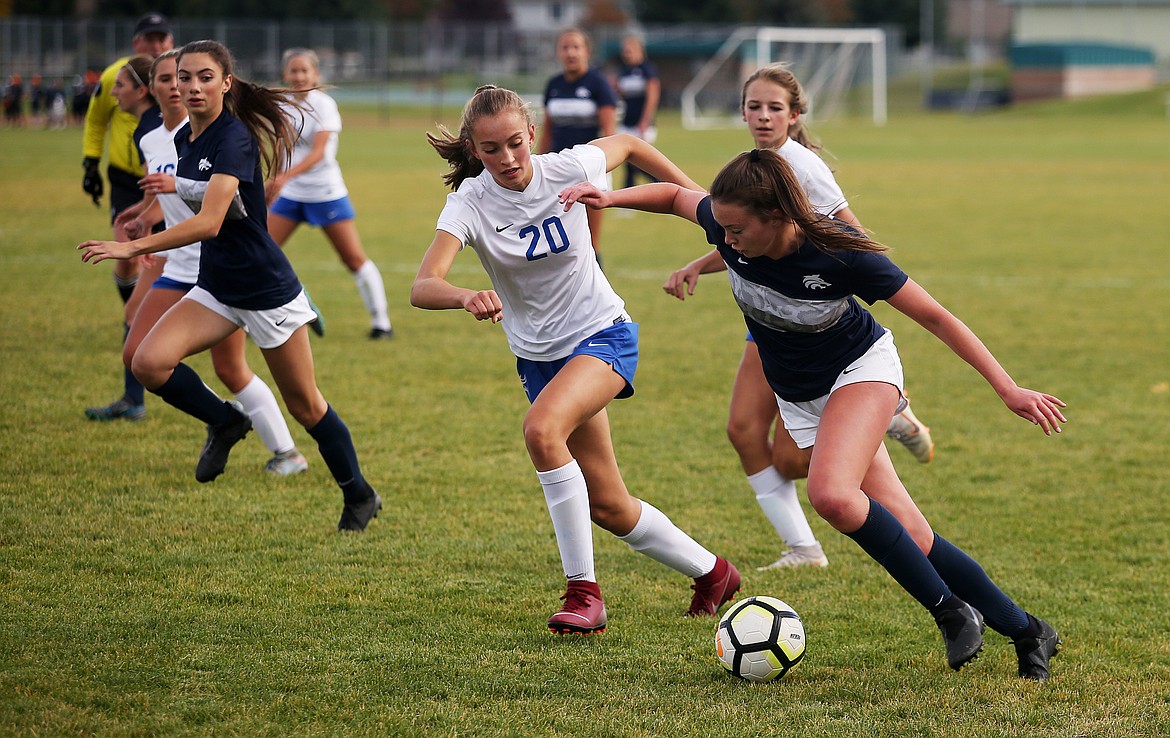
<point>759,639</point>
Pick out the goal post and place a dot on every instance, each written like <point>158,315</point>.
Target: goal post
<point>831,64</point>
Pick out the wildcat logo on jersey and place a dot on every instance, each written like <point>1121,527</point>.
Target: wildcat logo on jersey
<point>204,165</point>
<point>814,282</point>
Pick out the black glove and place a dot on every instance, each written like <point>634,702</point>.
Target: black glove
<point>92,182</point>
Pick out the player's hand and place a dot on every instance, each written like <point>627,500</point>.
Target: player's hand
<point>587,194</point>
<point>1036,407</point>
<point>485,305</point>
<point>98,251</point>
<point>126,216</point>
<point>273,187</point>
<point>91,183</point>
<point>157,184</point>
<point>682,282</point>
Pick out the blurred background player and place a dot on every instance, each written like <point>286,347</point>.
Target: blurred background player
<point>312,190</point>
<point>640,90</point>
<point>105,121</point>
<point>579,106</point>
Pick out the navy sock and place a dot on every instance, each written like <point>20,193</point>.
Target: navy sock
<point>887,542</point>
<point>186,391</point>
<point>132,388</point>
<point>336,447</point>
<point>125,289</point>
<point>968,580</point>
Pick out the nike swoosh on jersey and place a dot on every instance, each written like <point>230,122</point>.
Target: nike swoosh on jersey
<point>501,229</point>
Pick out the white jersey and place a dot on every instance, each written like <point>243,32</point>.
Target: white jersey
<point>814,175</point>
<point>322,183</point>
<point>158,155</point>
<point>539,258</point>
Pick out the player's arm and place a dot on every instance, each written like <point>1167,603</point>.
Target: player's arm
<point>607,120</point>
<point>846,215</point>
<point>623,147</point>
<point>544,140</point>
<point>653,94</point>
<point>205,224</point>
<point>1036,407</point>
<point>682,282</point>
<point>432,291</point>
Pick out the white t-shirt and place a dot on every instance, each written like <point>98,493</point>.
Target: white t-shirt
<point>824,194</point>
<point>539,258</point>
<point>322,183</point>
<point>158,153</point>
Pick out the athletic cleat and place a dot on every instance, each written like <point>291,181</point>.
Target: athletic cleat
<point>287,463</point>
<point>714,588</point>
<point>381,334</point>
<point>812,555</point>
<point>962,630</point>
<point>317,324</point>
<point>583,612</point>
<point>355,516</point>
<point>220,440</point>
<point>1034,653</point>
<point>120,408</point>
<point>912,433</point>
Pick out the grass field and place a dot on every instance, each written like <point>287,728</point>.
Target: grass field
<point>134,601</point>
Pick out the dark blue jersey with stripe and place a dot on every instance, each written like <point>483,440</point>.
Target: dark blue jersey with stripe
<point>631,85</point>
<point>241,266</point>
<point>801,309</point>
<point>572,107</point>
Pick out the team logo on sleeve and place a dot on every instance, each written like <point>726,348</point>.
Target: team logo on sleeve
<point>814,282</point>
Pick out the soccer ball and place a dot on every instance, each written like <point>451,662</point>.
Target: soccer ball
<point>759,639</point>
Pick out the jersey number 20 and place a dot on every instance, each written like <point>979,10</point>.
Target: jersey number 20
<point>554,234</point>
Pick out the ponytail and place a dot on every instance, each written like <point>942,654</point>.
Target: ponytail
<point>487,101</point>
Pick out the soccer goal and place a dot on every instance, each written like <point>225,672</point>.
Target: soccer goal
<point>836,66</point>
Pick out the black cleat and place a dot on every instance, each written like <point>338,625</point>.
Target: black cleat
<point>962,630</point>
<point>213,459</point>
<point>355,516</point>
<point>1034,653</point>
<point>381,334</point>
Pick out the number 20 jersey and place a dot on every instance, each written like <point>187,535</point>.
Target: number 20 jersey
<point>539,258</point>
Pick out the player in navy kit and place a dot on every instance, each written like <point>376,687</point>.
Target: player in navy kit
<point>838,380</point>
<point>579,106</point>
<point>244,278</point>
<point>576,346</point>
<point>640,89</point>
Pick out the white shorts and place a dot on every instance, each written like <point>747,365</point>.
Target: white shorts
<point>880,364</point>
<point>268,328</point>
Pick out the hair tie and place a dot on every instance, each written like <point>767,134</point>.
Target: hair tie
<point>754,156</point>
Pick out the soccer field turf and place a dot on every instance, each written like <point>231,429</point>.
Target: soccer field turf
<point>134,601</point>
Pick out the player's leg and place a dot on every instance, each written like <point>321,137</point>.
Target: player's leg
<point>231,366</point>
<point>291,364</point>
<point>769,462</point>
<point>343,235</point>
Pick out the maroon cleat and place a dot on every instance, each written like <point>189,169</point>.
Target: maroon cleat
<point>714,588</point>
<point>583,612</point>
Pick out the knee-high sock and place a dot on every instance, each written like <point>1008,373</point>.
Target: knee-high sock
<point>132,389</point>
<point>887,542</point>
<point>260,404</point>
<point>970,582</point>
<point>778,499</point>
<point>567,499</point>
<point>186,391</point>
<point>661,540</point>
<point>125,287</point>
<point>373,294</point>
<point>336,447</point>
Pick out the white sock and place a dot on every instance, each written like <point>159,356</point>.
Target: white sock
<point>661,540</point>
<point>373,294</point>
<point>778,499</point>
<point>567,498</point>
<point>260,404</point>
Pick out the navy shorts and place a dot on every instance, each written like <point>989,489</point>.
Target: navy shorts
<point>616,346</point>
<point>124,190</point>
<point>314,213</point>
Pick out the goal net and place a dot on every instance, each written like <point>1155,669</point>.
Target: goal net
<point>838,67</point>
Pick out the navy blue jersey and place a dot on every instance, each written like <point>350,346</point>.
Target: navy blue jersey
<point>801,309</point>
<point>150,120</point>
<point>242,266</point>
<point>572,107</point>
<point>631,85</point>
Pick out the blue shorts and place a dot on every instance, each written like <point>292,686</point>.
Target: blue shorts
<point>314,213</point>
<point>616,346</point>
<point>166,283</point>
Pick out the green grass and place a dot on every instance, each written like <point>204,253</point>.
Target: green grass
<point>134,601</point>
